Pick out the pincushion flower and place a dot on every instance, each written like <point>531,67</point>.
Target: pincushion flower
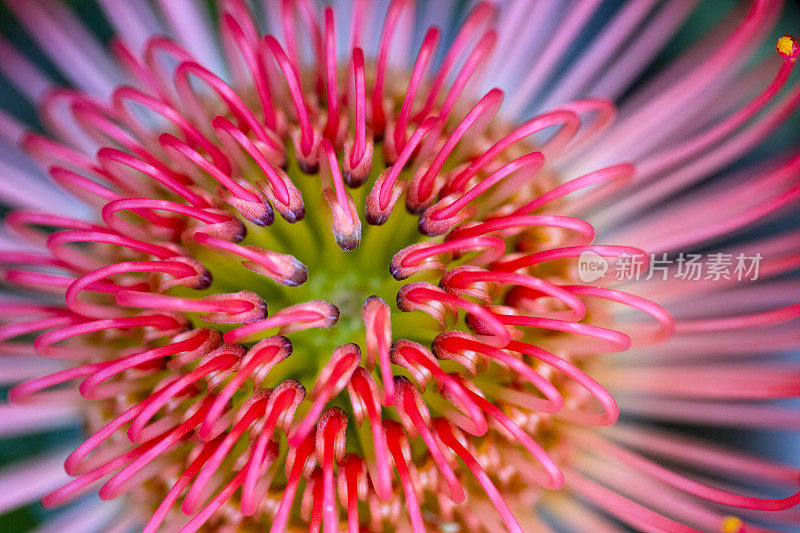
<point>296,267</point>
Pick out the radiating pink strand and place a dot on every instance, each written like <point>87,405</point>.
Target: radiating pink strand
<point>246,416</point>
<point>24,75</point>
<point>702,454</point>
<point>333,172</point>
<point>352,484</point>
<point>300,316</point>
<point>244,116</point>
<point>169,141</point>
<point>48,152</point>
<point>631,61</point>
<point>622,508</point>
<point>330,441</point>
<point>260,259</point>
<point>710,162</point>
<point>214,505</point>
<point>264,452</point>
<point>522,222</point>
<point>74,488</point>
<point>618,173</point>
<point>554,401</point>
<point>71,181</point>
<point>308,16</point>
<point>364,398</point>
<point>192,27</point>
<point>360,109</point>
<point>272,48</point>
<point>247,46</point>
<point>333,378</point>
<point>422,293</point>
<point>605,114</point>
<point>331,88</point>
<point>567,121</point>
<point>739,204</point>
<point>133,21</point>
<point>776,316</point>
<point>476,59</point>
<point>111,156</point>
<point>723,382</point>
<point>564,36</point>
<point>221,124</point>
<point>664,159</point>
<point>105,129</point>
<point>531,162</point>
<point>207,448</point>
<point>682,507</point>
<point>160,398</point>
<point>598,444</point>
<point>262,361</point>
<point>570,252</point>
<point>386,188</point>
<point>480,114</point>
<point>92,387</point>
<point>25,390</point>
<point>44,342</point>
<point>141,205</point>
<point>162,302</point>
<point>420,257</point>
<point>160,445</point>
<point>482,14</point>
<point>303,454</point>
<point>410,355</point>
<point>445,432</point>
<point>378,332</point>
<point>19,221</point>
<point>612,38</point>
<point>390,24</point>
<point>610,409</point>
<point>57,240</point>
<point>714,413</point>
<point>69,45</point>
<point>553,478</point>
<point>156,45</point>
<point>740,220</point>
<point>89,281</point>
<point>16,329</point>
<point>415,416</point>
<point>426,51</point>
<point>281,407</point>
<point>165,110</point>
<point>461,279</point>
<point>665,321</point>
<point>44,282</point>
<point>136,69</point>
<point>313,496</point>
<point>698,79</point>
<point>398,447</point>
<point>612,340</point>
<point>12,130</point>
<point>74,464</point>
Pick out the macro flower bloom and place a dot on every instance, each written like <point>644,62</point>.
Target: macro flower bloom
<point>295,267</point>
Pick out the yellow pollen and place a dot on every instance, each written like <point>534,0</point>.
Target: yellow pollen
<point>732,524</point>
<point>787,46</point>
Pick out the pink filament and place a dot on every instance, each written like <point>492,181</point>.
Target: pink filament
<point>426,51</point>
<point>445,432</point>
<point>360,104</point>
<point>292,81</point>
<point>390,23</point>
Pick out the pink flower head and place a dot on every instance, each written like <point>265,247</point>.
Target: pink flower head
<point>374,268</point>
